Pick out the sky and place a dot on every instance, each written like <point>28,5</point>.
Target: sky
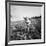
<point>18,12</point>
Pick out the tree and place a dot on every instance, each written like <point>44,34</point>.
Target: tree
<point>28,22</point>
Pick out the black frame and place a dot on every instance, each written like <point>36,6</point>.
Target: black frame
<point>6,38</point>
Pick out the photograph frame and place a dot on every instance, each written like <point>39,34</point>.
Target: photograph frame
<point>6,37</point>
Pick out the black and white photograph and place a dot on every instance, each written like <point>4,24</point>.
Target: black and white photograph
<point>25,22</point>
